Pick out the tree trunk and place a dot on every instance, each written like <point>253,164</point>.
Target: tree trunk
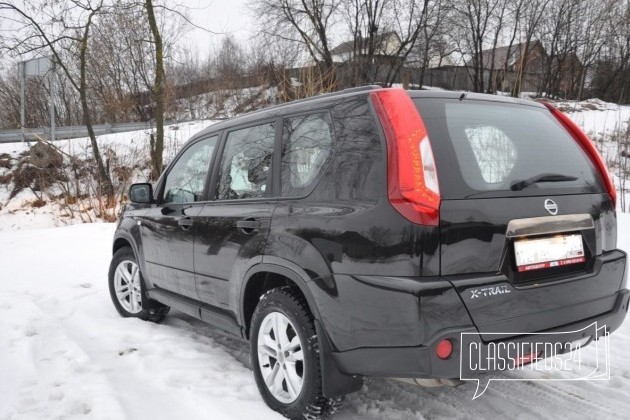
<point>158,92</point>
<point>107,189</point>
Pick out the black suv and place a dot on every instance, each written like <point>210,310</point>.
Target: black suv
<point>361,233</point>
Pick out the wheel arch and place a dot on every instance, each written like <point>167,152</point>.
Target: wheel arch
<point>122,239</point>
<point>121,242</point>
<point>263,277</point>
<point>334,382</point>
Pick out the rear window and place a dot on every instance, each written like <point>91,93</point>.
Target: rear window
<point>483,148</point>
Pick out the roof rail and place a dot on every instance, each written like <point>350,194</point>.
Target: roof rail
<point>364,88</point>
<point>360,88</point>
<point>348,90</point>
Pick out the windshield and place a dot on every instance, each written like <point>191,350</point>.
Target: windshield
<point>485,148</point>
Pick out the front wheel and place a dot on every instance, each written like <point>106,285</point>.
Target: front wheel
<point>285,356</point>
<point>127,290</point>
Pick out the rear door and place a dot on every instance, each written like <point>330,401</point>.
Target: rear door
<point>513,179</point>
<point>234,225</point>
<point>169,228</point>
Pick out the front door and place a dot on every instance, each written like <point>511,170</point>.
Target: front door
<point>233,228</point>
<point>168,229</point>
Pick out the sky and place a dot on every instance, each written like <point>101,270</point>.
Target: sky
<point>220,16</point>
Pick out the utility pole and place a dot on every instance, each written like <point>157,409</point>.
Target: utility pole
<point>38,67</point>
<point>22,71</point>
<point>51,86</point>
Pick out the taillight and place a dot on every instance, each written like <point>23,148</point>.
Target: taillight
<point>444,349</point>
<point>412,181</point>
<point>588,147</point>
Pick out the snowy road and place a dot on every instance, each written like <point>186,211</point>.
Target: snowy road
<point>65,353</point>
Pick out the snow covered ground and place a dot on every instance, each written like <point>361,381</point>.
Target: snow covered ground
<point>65,353</point>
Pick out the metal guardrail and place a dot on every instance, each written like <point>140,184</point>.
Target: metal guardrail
<point>77,131</point>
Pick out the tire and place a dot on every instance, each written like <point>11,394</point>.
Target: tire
<point>135,303</point>
<point>284,309</point>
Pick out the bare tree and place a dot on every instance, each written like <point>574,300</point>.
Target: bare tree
<point>68,42</point>
<point>37,101</point>
<point>594,16</point>
<point>557,32</point>
<point>307,22</point>
<point>472,20</point>
<point>186,74</point>
<point>157,147</point>
<point>367,24</point>
<point>611,78</point>
<point>532,15</point>
<point>515,11</point>
<point>432,39</point>
<point>230,60</point>
<point>121,64</point>
<point>498,19</point>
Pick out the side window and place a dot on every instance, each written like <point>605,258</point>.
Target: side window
<point>245,170</point>
<point>306,144</point>
<point>185,181</point>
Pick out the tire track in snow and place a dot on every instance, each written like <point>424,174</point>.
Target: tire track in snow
<point>51,380</point>
<point>178,390</point>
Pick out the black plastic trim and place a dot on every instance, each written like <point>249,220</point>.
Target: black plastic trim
<point>191,307</point>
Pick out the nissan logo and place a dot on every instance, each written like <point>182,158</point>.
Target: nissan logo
<point>551,207</point>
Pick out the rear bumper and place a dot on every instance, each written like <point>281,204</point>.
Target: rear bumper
<point>421,362</point>
<point>389,327</point>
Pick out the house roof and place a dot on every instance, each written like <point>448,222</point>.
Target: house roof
<point>380,43</point>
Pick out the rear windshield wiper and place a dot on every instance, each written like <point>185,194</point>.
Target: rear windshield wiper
<point>520,185</point>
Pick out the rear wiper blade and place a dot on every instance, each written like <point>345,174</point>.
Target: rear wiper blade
<point>520,185</point>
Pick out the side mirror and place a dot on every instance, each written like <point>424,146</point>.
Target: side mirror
<point>141,193</point>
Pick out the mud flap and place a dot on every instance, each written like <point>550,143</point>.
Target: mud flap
<point>334,383</point>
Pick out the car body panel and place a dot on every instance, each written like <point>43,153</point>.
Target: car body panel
<point>223,251</point>
<point>168,248</point>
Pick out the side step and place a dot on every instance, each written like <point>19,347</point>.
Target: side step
<point>214,316</point>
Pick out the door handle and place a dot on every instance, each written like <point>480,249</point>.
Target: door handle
<point>249,224</point>
<point>185,223</point>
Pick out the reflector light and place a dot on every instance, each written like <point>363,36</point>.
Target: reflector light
<point>588,147</point>
<point>412,180</point>
<point>444,349</point>
<point>526,358</point>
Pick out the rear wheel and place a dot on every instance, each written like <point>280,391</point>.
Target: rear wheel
<point>127,290</point>
<point>285,356</point>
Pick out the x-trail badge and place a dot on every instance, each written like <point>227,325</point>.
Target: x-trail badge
<point>551,207</point>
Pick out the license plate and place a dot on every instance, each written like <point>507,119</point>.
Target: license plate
<point>553,251</point>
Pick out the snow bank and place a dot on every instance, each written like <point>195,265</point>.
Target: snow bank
<point>17,213</point>
<point>596,117</point>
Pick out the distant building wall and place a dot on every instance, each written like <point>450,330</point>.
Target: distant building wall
<point>460,78</point>
<point>447,77</point>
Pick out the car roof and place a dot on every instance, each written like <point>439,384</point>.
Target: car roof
<point>465,96</point>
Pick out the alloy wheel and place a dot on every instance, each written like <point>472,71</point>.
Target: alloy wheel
<point>127,286</point>
<point>280,357</point>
